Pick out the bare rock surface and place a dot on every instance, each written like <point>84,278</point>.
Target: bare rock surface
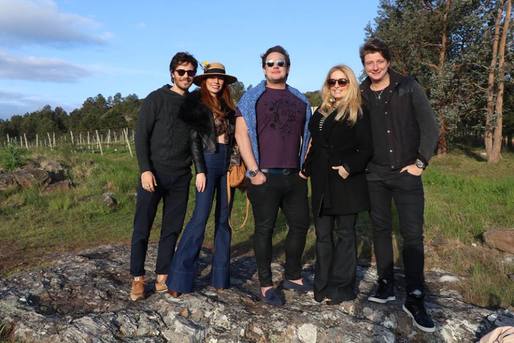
<point>501,239</point>
<point>84,298</point>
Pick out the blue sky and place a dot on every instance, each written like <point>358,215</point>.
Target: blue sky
<point>61,52</point>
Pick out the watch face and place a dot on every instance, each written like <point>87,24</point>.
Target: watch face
<point>252,173</point>
<point>420,164</point>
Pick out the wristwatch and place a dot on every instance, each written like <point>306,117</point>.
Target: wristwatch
<point>420,164</point>
<point>253,173</point>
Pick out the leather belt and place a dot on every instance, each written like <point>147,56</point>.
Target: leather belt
<point>280,171</point>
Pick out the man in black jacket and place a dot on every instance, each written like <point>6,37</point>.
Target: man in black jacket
<point>163,149</point>
<point>404,138</point>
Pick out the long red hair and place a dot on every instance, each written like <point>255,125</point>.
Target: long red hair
<point>213,103</point>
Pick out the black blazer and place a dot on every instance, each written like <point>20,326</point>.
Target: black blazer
<point>203,135</point>
<point>338,143</point>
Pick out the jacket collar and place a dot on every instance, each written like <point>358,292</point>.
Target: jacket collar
<point>395,79</point>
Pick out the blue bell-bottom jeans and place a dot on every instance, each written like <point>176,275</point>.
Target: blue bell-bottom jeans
<point>183,268</point>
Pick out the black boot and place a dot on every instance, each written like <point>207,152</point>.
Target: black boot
<point>415,307</point>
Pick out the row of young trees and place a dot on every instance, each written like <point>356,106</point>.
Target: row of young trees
<point>96,113</point>
<point>461,51</point>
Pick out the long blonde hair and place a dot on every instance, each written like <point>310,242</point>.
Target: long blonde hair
<point>349,107</point>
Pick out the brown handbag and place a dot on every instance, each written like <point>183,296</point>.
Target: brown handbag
<point>236,175</point>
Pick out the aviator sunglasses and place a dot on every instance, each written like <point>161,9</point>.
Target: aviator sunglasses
<point>271,63</point>
<point>340,82</point>
<point>181,72</point>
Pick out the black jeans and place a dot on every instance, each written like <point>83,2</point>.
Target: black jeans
<point>336,256</point>
<point>173,189</point>
<point>407,192</point>
<point>288,192</point>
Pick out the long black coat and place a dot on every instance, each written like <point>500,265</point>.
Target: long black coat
<point>339,143</point>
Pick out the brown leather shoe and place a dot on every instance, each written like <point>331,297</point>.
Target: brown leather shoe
<point>174,294</point>
<point>160,283</point>
<point>137,291</point>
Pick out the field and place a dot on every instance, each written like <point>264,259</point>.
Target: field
<point>464,197</point>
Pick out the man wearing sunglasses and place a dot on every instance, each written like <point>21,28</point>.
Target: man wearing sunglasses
<point>272,134</point>
<point>164,157</point>
<point>404,138</point>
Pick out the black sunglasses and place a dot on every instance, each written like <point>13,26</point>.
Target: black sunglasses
<point>181,72</point>
<point>271,63</point>
<point>340,82</point>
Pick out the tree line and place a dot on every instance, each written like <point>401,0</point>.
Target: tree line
<point>96,113</point>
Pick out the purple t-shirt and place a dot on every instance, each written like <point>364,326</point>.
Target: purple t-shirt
<point>280,125</point>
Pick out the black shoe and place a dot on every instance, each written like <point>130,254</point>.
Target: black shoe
<point>272,297</point>
<point>415,307</point>
<point>383,293</point>
<point>319,296</point>
<point>304,288</point>
<point>345,297</point>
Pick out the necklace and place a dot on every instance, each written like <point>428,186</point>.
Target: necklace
<point>378,94</point>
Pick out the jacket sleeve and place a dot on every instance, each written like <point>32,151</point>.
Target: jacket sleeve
<point>357,161</point>
<point>197,152</point>
<point>307,163</point>
<point>144,128</point>
<point>425,116</point>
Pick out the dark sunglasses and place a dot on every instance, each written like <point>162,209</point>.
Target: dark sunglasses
<point>340,82</point>
<point>181,72</point>
<point>271,63</point>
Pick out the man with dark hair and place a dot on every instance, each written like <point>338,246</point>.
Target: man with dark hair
<point>272,134</point>
<point>163,149</point>
<point>404,138</point>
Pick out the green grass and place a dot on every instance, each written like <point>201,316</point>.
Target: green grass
<point>464,198</point>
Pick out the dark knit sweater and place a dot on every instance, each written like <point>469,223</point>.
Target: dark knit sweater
<point>162,139</point>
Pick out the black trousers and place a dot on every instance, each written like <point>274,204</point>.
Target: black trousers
<point>336,256</point>
<point>288,192</point>
<point>407,192</point>
<point>173,189</point>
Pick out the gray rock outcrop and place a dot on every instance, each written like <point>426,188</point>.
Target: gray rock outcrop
<point>49,175</point>
<point>84,298</point>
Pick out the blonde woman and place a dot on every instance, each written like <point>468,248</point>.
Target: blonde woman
<point>340,149</point>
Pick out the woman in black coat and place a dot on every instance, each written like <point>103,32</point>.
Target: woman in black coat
<point>340,149</point>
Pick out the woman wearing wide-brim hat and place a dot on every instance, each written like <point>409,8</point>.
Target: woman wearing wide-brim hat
<point>209,111</point>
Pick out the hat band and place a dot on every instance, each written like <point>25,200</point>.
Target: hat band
<point>214,71</point>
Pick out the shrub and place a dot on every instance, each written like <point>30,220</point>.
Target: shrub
<point>12,158</point>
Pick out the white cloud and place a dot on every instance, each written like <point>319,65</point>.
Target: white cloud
<point>40,69</point>
<point>41,22</point>
<point>15,103</point>
<point>12,103</point>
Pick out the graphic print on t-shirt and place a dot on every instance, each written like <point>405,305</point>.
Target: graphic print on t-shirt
<point>280,124</point>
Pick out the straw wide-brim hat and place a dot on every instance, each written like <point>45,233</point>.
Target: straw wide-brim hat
<point>214,69</point>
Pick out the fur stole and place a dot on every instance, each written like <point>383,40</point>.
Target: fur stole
<point>194,113</point>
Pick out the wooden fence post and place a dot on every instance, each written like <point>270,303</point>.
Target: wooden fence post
<point>128,143</point>
<point>99,141</point>
<point>49,140</point>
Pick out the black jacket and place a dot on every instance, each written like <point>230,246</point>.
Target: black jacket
<point>338,143</point>
<point>404,129</point>
<point>162,140</point>
<point>203,135</point>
